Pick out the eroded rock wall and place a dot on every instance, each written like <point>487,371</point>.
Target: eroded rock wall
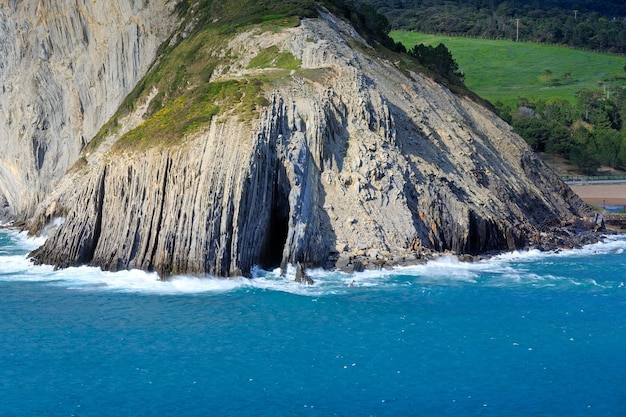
<point>65,67</point>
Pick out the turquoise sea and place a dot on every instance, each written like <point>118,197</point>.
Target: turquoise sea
<point>522,334</point>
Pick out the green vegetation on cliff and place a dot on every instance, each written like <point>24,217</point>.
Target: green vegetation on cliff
<point>273,58</point>
<point>187,98</point>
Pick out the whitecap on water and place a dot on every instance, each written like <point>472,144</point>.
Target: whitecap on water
<point>136,281</point>
<point>19,268</point>
<point>515,268</point>
<point>22,241</point>
<point>324,282</point>
<point>442,270</point>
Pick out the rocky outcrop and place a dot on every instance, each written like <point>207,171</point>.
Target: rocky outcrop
<point>65,67</point>
<point>354,163</point>
<point>616,221</point>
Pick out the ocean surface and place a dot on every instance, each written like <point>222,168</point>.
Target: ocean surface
<point>523,334</point>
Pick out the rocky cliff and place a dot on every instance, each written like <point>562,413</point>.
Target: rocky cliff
<point>65,67</point>
<point>307,145</point>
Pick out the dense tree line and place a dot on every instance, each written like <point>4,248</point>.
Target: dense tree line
<point>591,24</point>
<point>590,132</point>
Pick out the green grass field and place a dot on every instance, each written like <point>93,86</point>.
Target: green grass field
<point>504,71</point>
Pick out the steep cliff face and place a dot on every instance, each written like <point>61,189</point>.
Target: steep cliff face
<point>349,160</point>
<point>65,67</point>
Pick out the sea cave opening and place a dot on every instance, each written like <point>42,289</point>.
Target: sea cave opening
<point>277,231</point>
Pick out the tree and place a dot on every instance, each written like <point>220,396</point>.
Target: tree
<point>547,75</point>
<point>583,152</point>
<point>536,132</point>
<point>621,156</point>
<point>559,111</point>
<point>504,111</point>
<point>552,21</point>
<point>439,59</point>
<point>588,101</point>
<point>559,141</point>
<point>609,143</point>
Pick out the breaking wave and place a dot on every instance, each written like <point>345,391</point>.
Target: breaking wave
<point>522,268</point>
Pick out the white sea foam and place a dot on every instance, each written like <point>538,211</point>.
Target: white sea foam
<point>136,281</point>
<point>512,268</point>
<point>444,270</point>
<point>324,282</point>
<point>19,268</point>
<point>515,268</point>
<point>51,227</point>
<point>21,240</point>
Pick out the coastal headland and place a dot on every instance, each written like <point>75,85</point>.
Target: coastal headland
<point>270,137</point>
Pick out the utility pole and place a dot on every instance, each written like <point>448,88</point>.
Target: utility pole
<point>607,90</point>
<point>517,37</point>
<point>575,14</point>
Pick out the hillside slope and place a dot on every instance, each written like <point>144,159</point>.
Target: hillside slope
<point>506,71</point>
<point>299,143</point>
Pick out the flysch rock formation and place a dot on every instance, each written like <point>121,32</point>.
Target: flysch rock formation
<point>353,163</point>
<point>65,67</point>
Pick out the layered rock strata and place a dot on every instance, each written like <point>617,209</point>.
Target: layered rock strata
<point>354,162</point>
<point>65,67</point>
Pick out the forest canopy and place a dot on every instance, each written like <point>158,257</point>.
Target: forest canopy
<point>592,24</point>
<point>590,132</point>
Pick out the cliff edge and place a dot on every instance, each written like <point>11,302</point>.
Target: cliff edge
<point>298,142</point>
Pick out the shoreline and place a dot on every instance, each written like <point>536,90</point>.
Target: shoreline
<point>554,241</point>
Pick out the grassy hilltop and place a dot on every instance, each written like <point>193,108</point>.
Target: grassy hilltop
<point>505,71</point>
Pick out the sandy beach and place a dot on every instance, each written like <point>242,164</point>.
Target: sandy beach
<point>602,194</point>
